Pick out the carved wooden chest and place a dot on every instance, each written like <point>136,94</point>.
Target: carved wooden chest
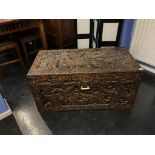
<point>74,79</point>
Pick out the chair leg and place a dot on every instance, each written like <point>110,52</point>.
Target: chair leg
<point>19,55</point>
<point>25,52</point>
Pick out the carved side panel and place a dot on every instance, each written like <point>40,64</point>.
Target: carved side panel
<point>63,92</point>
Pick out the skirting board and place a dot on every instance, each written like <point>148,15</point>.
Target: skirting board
<point>7,113</point>
<point>147,67</point>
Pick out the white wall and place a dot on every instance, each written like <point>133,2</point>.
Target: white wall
<point>83,27</point>
<point>143,42</point>
<point>109,31</point>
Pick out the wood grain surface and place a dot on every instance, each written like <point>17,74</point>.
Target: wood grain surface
<point>110,75</point>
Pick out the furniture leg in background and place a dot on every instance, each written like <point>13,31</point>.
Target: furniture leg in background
<point>42,35</point>
<point>29,40</point>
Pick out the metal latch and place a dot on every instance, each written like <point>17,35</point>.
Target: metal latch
<point>85,87</point>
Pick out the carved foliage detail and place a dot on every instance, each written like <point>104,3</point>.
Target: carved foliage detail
<point>54,91</point>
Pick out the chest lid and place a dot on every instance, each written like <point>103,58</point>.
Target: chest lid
<point>77,61</point>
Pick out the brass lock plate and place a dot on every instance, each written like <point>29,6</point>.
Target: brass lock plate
<point>85,87</point>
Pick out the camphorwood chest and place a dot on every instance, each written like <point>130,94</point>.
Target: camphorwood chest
<point>76,79</point>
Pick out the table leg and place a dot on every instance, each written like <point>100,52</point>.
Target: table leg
<point>42,35</point>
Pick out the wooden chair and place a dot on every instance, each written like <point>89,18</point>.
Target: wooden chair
<point>4,49</point>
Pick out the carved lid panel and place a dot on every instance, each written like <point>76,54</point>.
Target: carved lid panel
<point>77,61</point>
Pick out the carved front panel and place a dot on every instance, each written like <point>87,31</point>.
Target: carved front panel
<point>60,91</point>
